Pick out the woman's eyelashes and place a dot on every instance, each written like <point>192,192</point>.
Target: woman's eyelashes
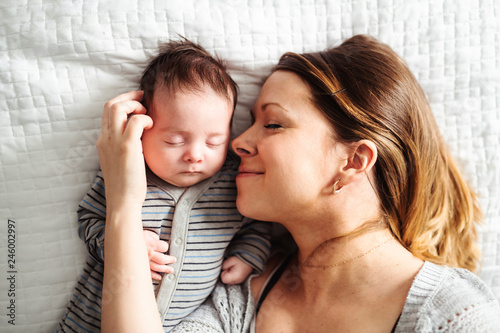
<point>269,124</point>
<point>273,126</point>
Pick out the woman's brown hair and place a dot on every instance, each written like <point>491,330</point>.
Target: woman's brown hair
<point>368,92</point>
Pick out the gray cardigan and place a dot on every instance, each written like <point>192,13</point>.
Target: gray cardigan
<point>441,299</point>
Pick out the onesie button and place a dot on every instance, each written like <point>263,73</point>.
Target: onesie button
<point>178,241</point>
<point>171,276</point>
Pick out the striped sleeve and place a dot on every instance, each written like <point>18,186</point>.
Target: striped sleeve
<point>252,244</point>
<point>92,219</point>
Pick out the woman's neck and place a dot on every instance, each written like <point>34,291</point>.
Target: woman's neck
<point>327,239</point>
<point>326,246</point>
<point>323,251</point>
<point>344,239</point>
<point>350,265</point>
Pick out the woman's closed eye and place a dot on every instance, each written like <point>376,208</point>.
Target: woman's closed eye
<point>273,126</point>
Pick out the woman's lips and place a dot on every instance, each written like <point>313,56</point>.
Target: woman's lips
<point>248,173</point>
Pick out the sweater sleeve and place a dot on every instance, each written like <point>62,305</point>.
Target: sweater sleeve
<point>252,244</point>
<point>465,304</point>
<point>477,317</point>
<point>444,299</point>
<point>92,219</point>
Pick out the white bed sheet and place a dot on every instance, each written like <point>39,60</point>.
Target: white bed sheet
<point>60,61</point>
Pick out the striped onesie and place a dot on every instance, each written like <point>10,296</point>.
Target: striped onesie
<point>198,223</point>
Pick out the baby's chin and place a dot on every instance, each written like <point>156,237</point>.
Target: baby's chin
<point>187,179</point>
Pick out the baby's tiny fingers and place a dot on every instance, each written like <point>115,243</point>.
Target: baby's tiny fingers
<point>161,246</point>
<point>155,276</point>
<point>161,268</point>
<point>163,259</point>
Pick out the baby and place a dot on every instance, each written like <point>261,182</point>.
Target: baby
<point>190,207</point>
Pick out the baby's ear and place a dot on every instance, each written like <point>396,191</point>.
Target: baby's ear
<point>360,162</point>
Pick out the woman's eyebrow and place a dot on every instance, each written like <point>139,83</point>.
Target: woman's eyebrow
<point>264,106</point>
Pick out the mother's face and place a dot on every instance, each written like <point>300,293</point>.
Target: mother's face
<point>288,158</point>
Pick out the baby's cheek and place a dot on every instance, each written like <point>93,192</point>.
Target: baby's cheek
<point>220,155</point>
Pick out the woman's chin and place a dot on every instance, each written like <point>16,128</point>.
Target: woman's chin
<point>246,207</point>
<point>251,208</point>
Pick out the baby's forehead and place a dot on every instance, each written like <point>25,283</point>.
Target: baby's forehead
<point>198,87</point>
<point>168,100</point>
<point>191,111</point>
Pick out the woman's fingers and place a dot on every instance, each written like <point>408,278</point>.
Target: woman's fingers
<point>136,126</point>
<point>119,114</point>
<point>117,110</point>
<point>120,149</point>
<point>134,95</point>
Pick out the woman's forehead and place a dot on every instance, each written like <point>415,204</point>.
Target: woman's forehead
<point>283,87</point>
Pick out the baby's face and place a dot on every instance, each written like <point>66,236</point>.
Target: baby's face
<point>190,135</point>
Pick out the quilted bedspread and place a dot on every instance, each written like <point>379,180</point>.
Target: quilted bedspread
<point>60,61</point>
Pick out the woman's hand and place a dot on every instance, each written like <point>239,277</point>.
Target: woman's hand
<point>124,120</point>
<point>128,297</point>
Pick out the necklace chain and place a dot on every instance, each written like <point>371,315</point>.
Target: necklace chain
<point>305,264</point>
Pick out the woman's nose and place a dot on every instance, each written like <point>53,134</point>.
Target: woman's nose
<point>243,146</point>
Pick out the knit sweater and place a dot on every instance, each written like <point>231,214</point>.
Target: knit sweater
<point>441,299</point>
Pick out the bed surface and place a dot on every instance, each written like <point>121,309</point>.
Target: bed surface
<point>61,61</point>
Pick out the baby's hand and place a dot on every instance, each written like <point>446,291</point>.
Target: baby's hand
<point>158,260</point>
<point>235,270</point>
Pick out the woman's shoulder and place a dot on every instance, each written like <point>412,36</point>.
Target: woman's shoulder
<point>445,298</point>
<point>453,283</point>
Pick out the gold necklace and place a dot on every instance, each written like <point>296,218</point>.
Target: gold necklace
<point>305,264</point>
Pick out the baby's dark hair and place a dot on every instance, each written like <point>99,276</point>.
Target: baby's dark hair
<point>183,64</point>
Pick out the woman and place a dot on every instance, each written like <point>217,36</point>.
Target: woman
<point>344,152</point>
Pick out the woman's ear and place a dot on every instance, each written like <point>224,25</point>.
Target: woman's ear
<point>360,162</point>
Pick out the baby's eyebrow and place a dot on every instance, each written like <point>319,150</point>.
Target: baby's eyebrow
<point>174,130</point>
<point>188,133</point>
<point>213,134</point>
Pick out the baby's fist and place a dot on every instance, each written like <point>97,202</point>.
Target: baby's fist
<point>235,270</point>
